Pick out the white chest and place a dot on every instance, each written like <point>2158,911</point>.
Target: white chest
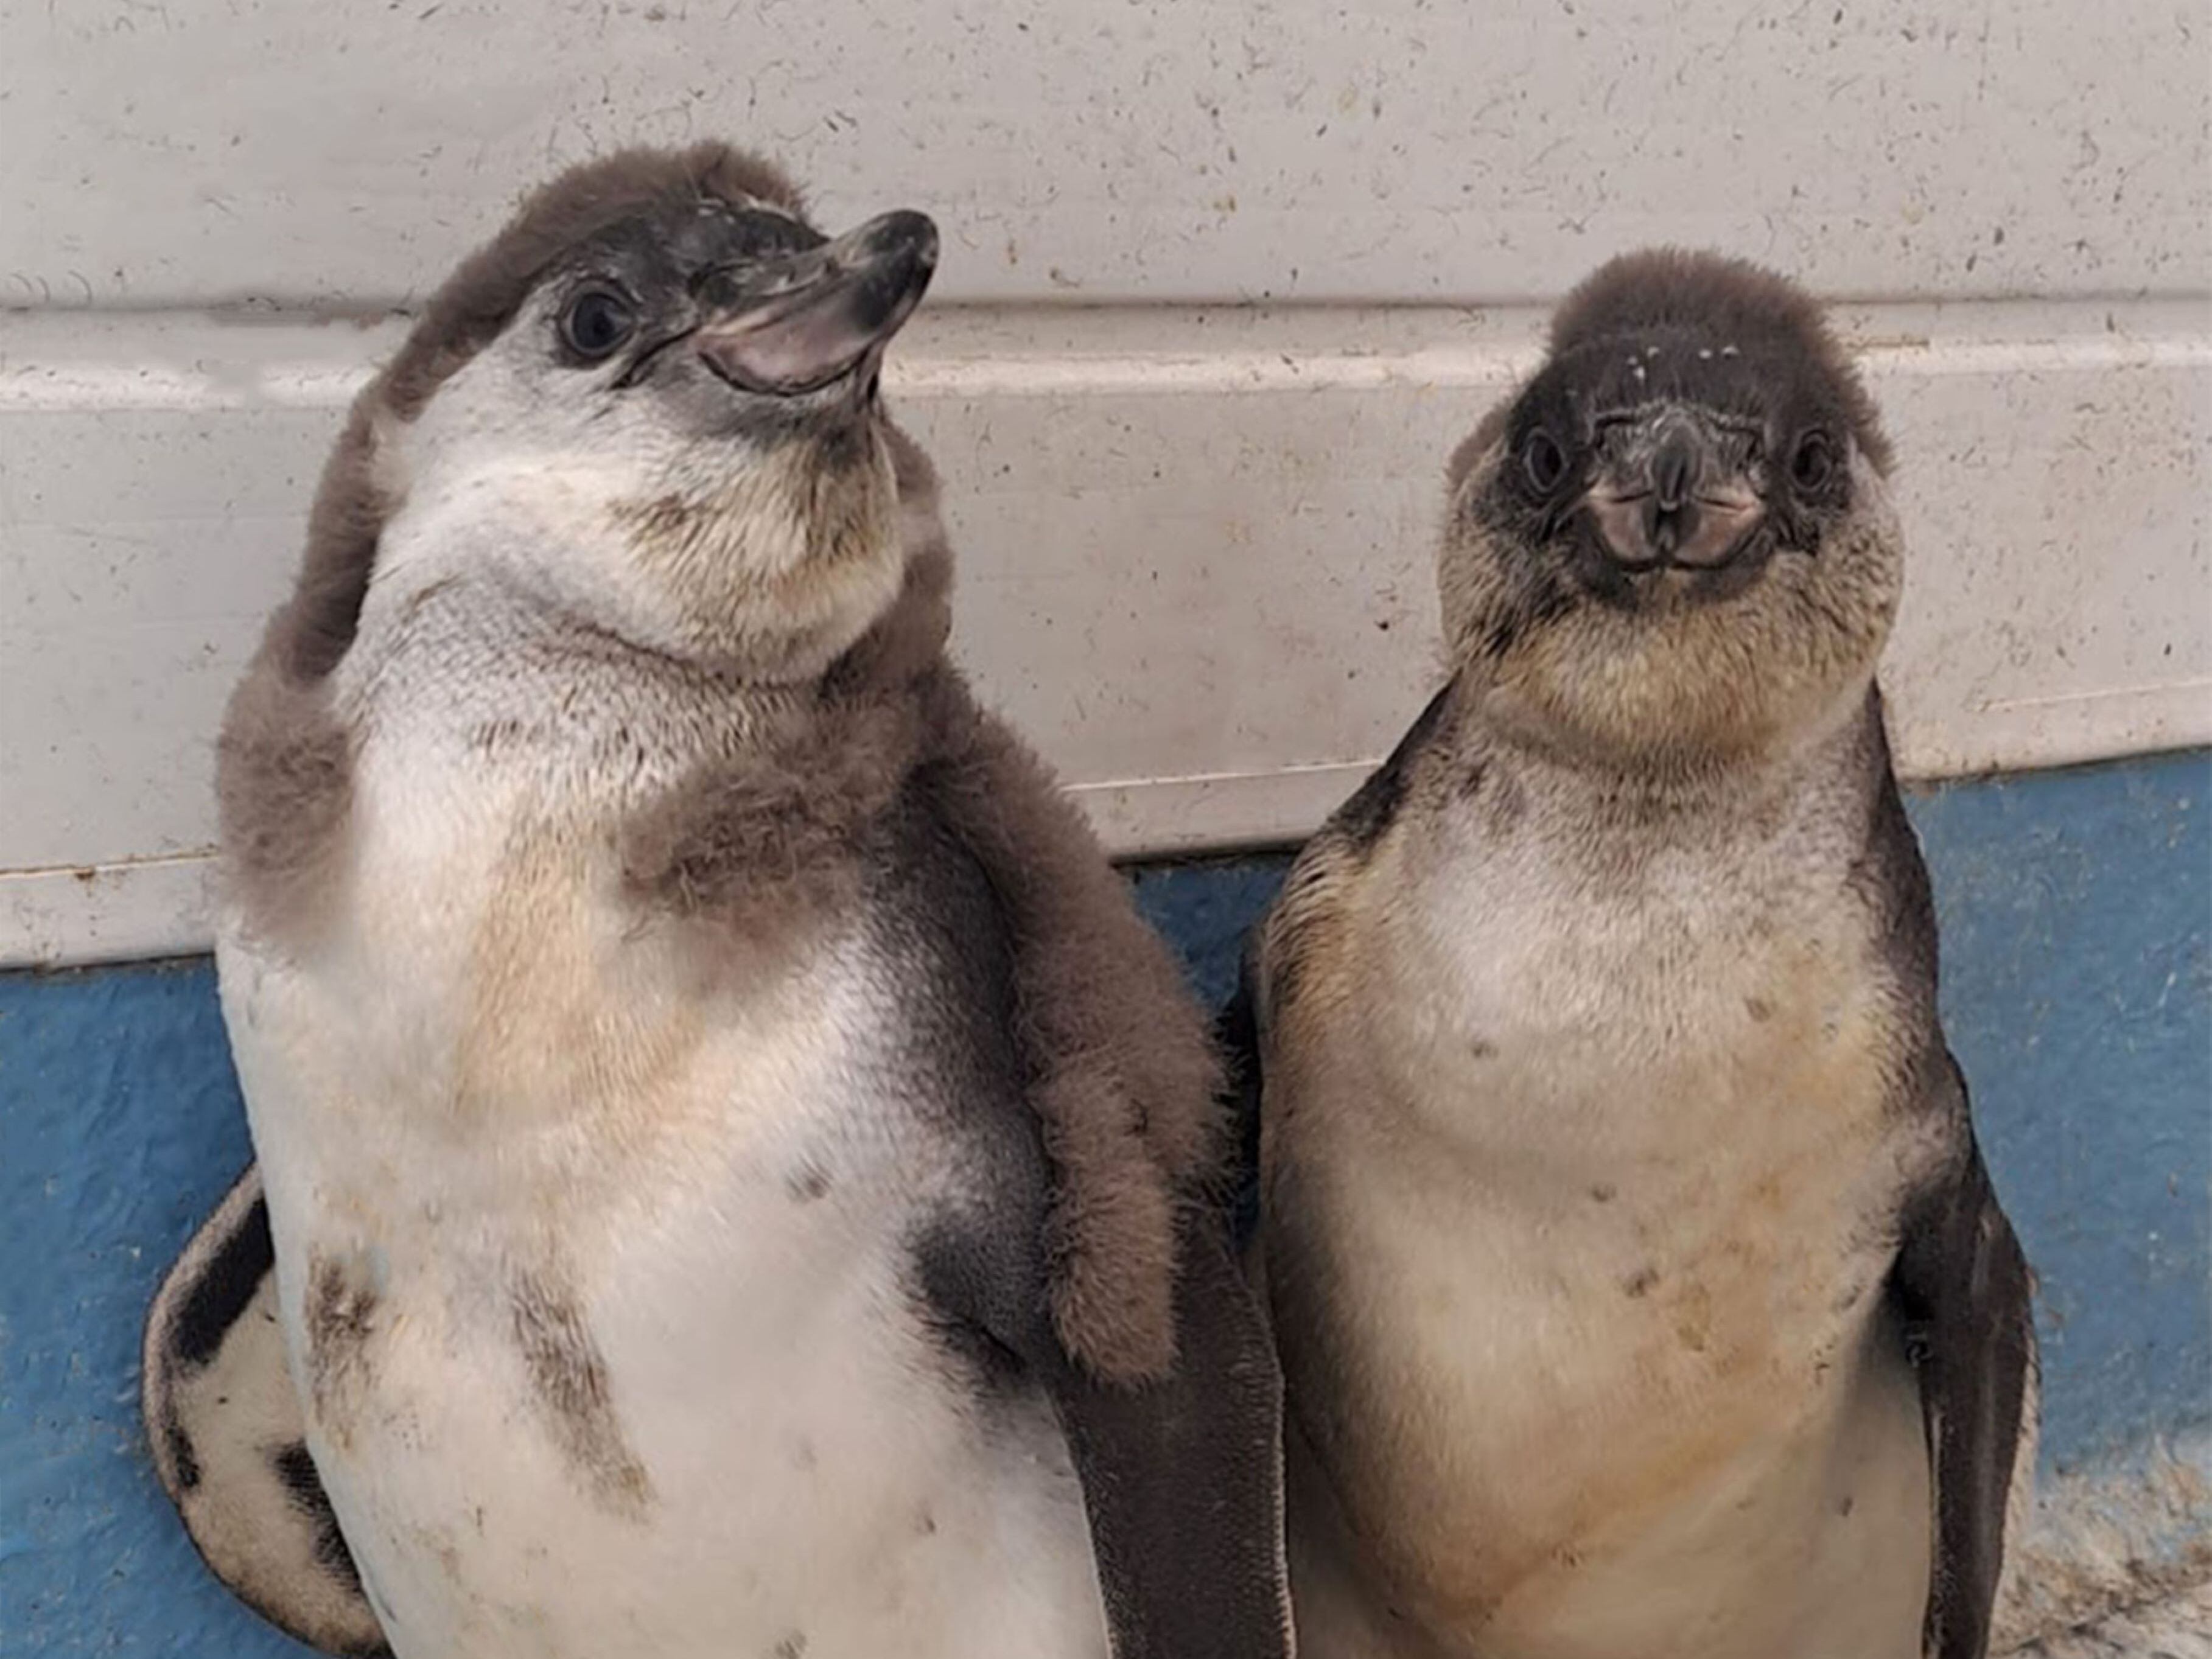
<point>1651,1118</point>
<point>1669,1021</point>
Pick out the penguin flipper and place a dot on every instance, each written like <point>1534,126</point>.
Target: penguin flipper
<point>1183,1478</point>
<point>228,1435</point>
<point>1117,1292</point>
<point>1237,1035</point>
<point>1965,1290</point>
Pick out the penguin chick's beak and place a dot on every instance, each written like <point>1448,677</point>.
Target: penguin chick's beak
<point>796,323</point>
<point>1673,493</point>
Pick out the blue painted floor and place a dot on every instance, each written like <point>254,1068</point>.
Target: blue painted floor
<point>2077,926</point>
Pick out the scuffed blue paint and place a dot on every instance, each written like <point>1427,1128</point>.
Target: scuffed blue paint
<point>2073,909</point>
<point>121,1126</point>
<point>1205,908</point>
<point>2078,989</point>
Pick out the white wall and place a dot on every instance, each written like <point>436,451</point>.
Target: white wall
<point>1195,528</point>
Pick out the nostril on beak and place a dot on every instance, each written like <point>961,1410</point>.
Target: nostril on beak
<point>1665,526</point>
<point>1673,470</point>
<point>1669,518</point>
<point>1671,498</point>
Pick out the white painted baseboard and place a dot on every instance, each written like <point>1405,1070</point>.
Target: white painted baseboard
<point>1196,554</point>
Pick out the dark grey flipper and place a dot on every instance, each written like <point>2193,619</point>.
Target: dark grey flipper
<point>229,1437</point>
<point>1237,1035</point>
<point>1960,1283</point>
<point>1965,1289</point>
<point>1349,835</point>
<point>1182,1479</point>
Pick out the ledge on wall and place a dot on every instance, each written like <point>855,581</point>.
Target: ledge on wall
<point>1194,544</point>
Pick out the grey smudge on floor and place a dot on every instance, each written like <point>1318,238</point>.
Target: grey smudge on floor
<point>2180,1628</point>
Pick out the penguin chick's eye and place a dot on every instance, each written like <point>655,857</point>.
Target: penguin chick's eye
<point>596,322</point>
<point>1543,460</point>
<point>1812,463</point>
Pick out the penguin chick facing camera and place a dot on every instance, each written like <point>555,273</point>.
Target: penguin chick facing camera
<point>732,1168</point>
<point>1639,1288</point>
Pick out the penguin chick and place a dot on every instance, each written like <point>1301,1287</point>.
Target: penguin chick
<point>1638,1285</point>
<point>731,1161</point>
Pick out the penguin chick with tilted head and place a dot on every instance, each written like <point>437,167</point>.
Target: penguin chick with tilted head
<point>732,1164</point>
<point>1639,1289</point>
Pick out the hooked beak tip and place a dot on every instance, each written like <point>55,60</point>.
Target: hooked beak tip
<point>830,312</point>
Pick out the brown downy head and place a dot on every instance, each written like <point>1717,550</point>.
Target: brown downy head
<point>1674,547</point>
<point>650,399</point>
<point>649,406</point>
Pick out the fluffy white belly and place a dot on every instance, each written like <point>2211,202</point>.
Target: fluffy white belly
<point>1633,1419</point>
<point>726,1448</point>
<point>1576,1243</point>
<point>1813,1544</point>
<point>595,1290</point>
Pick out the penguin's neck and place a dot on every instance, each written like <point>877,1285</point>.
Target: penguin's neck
<point>505,693</point>
<point>1817,783</point>
<point>486,932</point>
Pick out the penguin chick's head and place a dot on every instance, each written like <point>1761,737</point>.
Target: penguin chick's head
<point>650,403</point>
<point>1675,545</point>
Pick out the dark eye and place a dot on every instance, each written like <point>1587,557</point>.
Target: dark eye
<point>596,321</point>
<point>1543,460</point>
<point>1814,462</point>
